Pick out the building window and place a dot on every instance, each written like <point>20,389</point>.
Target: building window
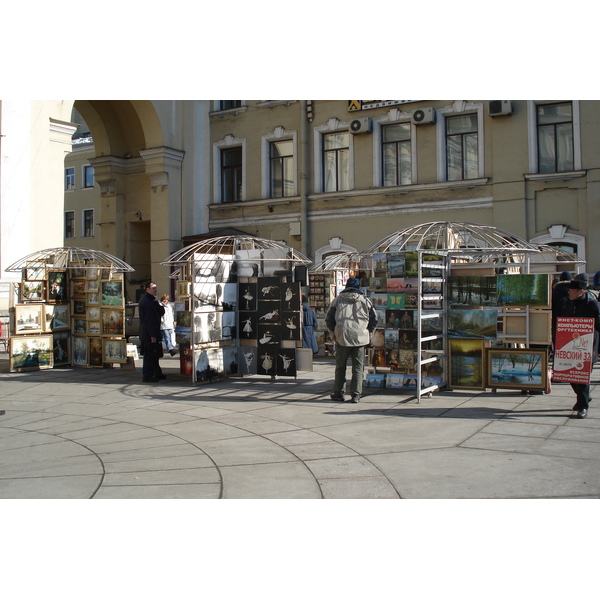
<point>396,153</point>
<point>69,224</point>
<point>231,174</point>
<point>69,178</point>
<point>88,176</point>
<point>227,104</point>
<point>555,137</point>
<point>336,161</point>
<point>282,168</point>
<point>461,148</point>
<point>88,223</point>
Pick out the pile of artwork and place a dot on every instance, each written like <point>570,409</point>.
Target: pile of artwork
<point>72,316</point>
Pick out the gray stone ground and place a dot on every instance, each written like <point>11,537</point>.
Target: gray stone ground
<point>102,433</point>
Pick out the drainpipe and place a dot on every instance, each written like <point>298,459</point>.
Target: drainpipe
<point>304,171</point>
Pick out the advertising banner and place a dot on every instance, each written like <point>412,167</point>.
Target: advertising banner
<point>573,352</point>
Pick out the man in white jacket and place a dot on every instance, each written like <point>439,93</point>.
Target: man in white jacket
<point>350,319</point>
<point>167,325</point>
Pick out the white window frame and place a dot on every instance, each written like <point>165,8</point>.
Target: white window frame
<point>83,170</point>
<point>393,117</point>
<point>459,107</point>
<point>533,136</point>
<point>72,188</point>
<point>332,126</point>
<point>72,212</point>
<point>279,134</point>
<point>83,223</point>
<point>227,142</point>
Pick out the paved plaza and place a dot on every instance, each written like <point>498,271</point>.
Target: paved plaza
<point>102,433</point>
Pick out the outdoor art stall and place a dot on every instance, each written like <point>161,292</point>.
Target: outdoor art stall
<point>68,310</point>
<point>459,306</point>
<point>238,308</point>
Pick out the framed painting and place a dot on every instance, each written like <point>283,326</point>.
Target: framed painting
<point>77,270</point>
<point>94,351</point>
<point>472,290</point>
<point>472,323</point>
<point>57,286</point>
<point>78,309</point>
<point>91,272</point>
<point>286,362</point>
<point>29,318</point>
<point>114,351</point>
<point>111,293</point>
<point>183,289</point>
<point>521,369</point>
<point>93,313</point>
<point>80,348</point>
<point>466,363</point>
<point>92,298</point>
<point>93,328</point>
<point>104,273</point>
<point>31,353</point>
<point>77,288</point>
<point>57,317</point>
<point>91,285</point>
<point>33,291</point>
<point>79,325</point>
<point>62,349</point>
<point>112,322</point>
<point>524,290</point>
<point>35,270</point>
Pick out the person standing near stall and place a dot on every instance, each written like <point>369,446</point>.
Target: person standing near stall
<point>350,319</point>
<point>167,325</point>
<point>581,304</point>
<point>309,322</point>
<point>151,312</point>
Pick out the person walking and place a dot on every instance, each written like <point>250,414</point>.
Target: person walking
<point>581,304</point>
<point>350,320</point>
<point>309,322</point>
<point>167,325</point>
<point>151,312</point>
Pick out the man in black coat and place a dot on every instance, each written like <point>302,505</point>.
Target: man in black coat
<point>582,304</point>
<point>151,312</point>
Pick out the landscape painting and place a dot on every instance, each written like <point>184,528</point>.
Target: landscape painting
<point>472,290</point>
<point>472,323</point>
<point>466,363</point>
<point>523,290</point>
<point>517,368</point>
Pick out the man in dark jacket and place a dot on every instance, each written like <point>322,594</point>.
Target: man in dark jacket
<point>350,319</point>
<point>582,305</point>
<point>151,312</point>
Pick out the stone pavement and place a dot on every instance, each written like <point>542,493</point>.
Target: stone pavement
<point>102,433</point>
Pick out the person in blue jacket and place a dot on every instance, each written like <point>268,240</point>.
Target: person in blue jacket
<point>309,322</point>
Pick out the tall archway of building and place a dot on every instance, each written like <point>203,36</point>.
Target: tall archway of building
<point>139,178</point>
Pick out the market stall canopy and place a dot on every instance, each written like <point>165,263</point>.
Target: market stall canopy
<point>453,237</point>
<point>234,247</point>
<point>71,258</point>
<point>343,260</point>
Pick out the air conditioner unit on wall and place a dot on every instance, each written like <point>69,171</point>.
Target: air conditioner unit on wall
<point>360,126</point>
<point>423,116</point>
<point>498,108</point>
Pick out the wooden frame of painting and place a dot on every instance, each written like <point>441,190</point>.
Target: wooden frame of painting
<point>466,364</point>
<point>57,286</point>
<point>111,293</point>
<point>31,353</point>
<point>540,332</point>
<point>517,368</point>
<point>93,328</point>
<point>95,352</point>
<point>76,270</point>
<point>33,291</point>
<point>35,270</point>
<point>472,290</point>
<point>473,322</point>
<point>61,348</point>
<point>183,289</point>
<point>112,322</point>
<point>92,272</point>
<point>78,307</point>
<point>77,288</point>
<point>29,319</point>
<point>92,285</point>
<point>92,298</point>
<point>80,348</point>
<point>114,351</point>
<point>57,317</point>
<point>79,325</point>
<point>93,313</point>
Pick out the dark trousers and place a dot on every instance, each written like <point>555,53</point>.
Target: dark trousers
<point>583,395</point>
<point>150,365</point>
